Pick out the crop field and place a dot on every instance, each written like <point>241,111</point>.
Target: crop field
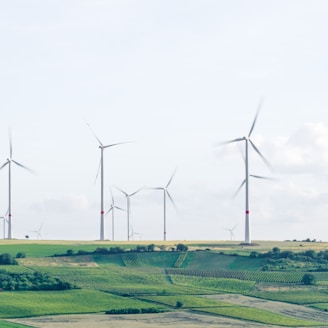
<point>27,304</point>
<point>199,280</point>
<point>237,311</point>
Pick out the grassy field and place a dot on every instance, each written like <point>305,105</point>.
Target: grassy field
<point>160,279</point>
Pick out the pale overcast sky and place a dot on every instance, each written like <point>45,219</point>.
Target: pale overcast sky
<point>174,77</point>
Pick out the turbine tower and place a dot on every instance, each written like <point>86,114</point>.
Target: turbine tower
<point>8,162</point>
<point>102,147</point>
<point>128,206</point>
<point>166,193</point>
<point>247,140</point>
<point>111,209</point>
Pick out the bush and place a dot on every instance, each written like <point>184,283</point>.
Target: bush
<point>7,259</point>
<point>181,248</point>
<point>69,252</point>
<point>179,305</point>
<point>309,279</point>
<point>20,255</point>
<point>151,248</point>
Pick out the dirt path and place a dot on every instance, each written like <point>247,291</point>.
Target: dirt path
<point>169,320</point>
<point>293,310</point>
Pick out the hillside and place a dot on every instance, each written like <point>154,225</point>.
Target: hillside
<point>116,277</point>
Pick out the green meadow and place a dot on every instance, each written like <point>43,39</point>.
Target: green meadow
<point>169,280</point>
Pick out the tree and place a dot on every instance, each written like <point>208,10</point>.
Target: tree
<point>179,305</point>
<point>309,279</point>
<point>181,248</point>
<point>151,248</point>
<point>276,250</point>
<point>7,259</point>
<point>69,252</point>
<point>20,255</point>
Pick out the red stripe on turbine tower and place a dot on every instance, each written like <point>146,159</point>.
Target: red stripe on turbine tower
<point>247,212</point>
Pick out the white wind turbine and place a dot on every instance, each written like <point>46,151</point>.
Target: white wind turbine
<point>111,209</point>
<point>247,140</point>
<point>133,233</point>
<point>166,193</point>
<point>38,232</point>
<point>102,147</point>
<point>8,162</point>
<point>232,236</point>
<point>5,219</point>
<point>128,206</point>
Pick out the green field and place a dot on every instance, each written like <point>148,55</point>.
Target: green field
<point>161,278</point>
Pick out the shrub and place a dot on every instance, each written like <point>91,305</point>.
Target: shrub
<point>20,255</point>
<point>151,248</point>
<point>309,279</point>
<point>182,248</point>
<point>6,259</point>
<point>179,305</point>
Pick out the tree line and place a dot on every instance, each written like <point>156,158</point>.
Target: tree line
<point>31,281</point>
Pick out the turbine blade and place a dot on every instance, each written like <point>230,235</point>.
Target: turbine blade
<point>260,154</point>
<point>255,119</point>
<point>10,144</point>
<point>261,177</point>
<point>172,176</point>
<point>110,209</point>
<point>237,191</point>
<point>3,165</point>
<point>98,171</point>
<point>136,191</point>
<point>229,141</point>
<point>23,166</point>
<point>120,208</point>
<point>111,193</point>
<point>118,143</point>
<point>122,191</point>
<point>171,199</point>
<point>95,135</point>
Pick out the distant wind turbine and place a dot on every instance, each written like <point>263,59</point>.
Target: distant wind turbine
<point>128,206</point>
<point>133,233</point>
<point>166,193</point>
<point>102,147</point>
<point>247,140</point>
<point>5,219</point>
<point>38,232</point>
<point>9,161</point>
<point>111,209</point>
<point>231,232</point>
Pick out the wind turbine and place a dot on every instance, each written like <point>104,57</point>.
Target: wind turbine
<point>133,233</point>
<point>5,219</point>
<point>247,140</point>
<point>9,161</point>
<point>231,232</point>
<point>111,209</point>
<point>166,193</point>
<point>38,232</point>
<point>128,206</point>
<point>102,147</point>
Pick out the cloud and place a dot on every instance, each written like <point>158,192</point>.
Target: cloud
<point>66,203</point>
<point>306,151</point>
